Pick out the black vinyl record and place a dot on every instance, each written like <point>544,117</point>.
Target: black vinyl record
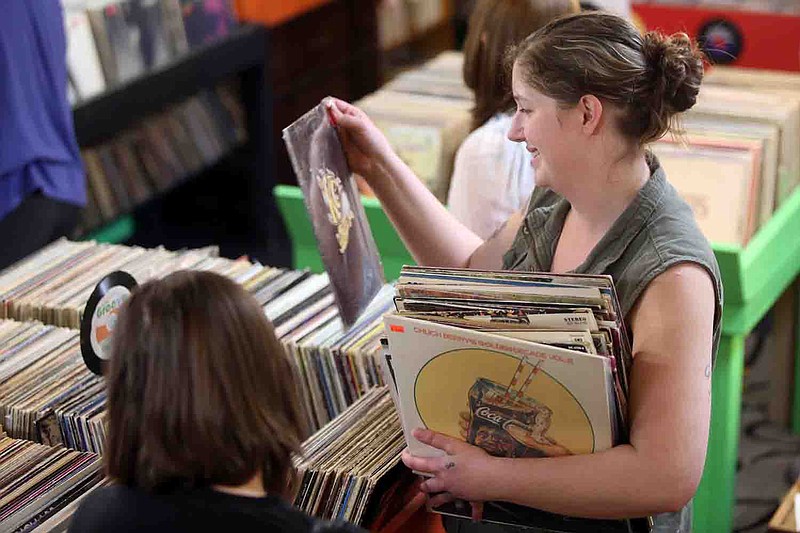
<point>100,316</point>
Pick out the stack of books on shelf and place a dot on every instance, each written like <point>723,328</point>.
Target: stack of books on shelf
<point>159,153</point>
<point>110,42</point>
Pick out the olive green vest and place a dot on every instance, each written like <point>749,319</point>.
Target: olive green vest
<point>656,231</point>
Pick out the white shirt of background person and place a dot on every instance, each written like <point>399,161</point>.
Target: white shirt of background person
<point>492,177</point>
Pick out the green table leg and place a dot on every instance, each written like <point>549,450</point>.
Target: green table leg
<point>714,501</point>
<point>795,413</point>
<point>796,397</point>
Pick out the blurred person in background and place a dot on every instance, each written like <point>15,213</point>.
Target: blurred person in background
<point>492,176</point>
<point>42,183</point>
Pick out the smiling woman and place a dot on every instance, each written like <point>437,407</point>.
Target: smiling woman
<point>591,92</point>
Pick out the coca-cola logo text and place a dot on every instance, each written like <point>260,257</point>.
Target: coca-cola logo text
<point>492,416</point>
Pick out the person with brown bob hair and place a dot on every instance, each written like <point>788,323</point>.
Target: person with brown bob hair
<point>203,415</point>
<point>491,176</point>
<point>591,92</point>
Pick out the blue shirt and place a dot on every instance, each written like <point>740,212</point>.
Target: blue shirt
<point>38,149</point>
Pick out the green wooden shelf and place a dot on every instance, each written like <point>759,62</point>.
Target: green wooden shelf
<point>305,254</point>
<point>754,277</point>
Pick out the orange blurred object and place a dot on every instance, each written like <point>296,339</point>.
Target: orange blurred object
<point>272,13</point>
<point>414,517</point>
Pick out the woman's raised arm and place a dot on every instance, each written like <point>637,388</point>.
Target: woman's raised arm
<point>433,236</point>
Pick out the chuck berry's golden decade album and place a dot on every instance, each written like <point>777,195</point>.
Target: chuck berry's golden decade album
<point>521,364</point>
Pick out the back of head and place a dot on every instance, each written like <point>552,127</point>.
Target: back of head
<point>648,78</point>
<point>199,390</point>
<point>494,26</point>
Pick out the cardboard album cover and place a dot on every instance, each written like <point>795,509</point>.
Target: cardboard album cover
<point>334,205</point>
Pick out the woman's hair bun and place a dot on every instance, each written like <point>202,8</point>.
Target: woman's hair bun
<point>676,66</point>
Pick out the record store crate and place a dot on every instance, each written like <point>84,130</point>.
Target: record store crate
<point>757,275</point>
<point>754,277</point>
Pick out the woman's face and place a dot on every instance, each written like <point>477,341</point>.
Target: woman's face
<point>548,132</point>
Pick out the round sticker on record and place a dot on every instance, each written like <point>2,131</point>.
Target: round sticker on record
<point>100,317</point>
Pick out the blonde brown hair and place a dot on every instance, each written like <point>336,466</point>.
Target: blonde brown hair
<point>494,26</point>
<point>650,78</point>
<point>200,391</point>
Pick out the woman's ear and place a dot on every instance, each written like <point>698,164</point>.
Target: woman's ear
<point>591,109</point>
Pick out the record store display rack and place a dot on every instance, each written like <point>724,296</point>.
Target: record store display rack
<point>228,199</point>
<point>52,408</point>
<point>158,154</point>
<point>159,122</point>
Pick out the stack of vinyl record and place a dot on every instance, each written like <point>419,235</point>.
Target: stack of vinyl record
<point>335,364</point>
<point>736,163</point>
<point>47,394</point>
<point>440,76</point>
<point>401,23</point>
<point>425,115</point>
<point>551,319</point>
<point>54,284</point>
<point>542,365</point>
<point>41,486</point>
<point>742,160</point>
<point>353,461</point>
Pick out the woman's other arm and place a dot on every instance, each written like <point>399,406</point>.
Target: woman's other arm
<point>669,412</point>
